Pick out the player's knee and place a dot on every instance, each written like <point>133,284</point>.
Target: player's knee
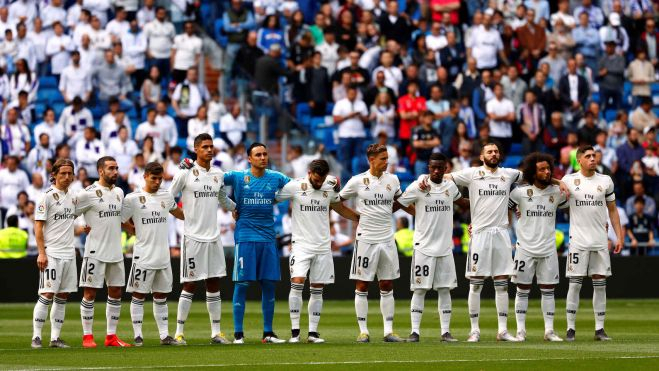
<point>114,292</point>
<point>386,285</point>
<point>598,277</point>
<point>189,286</point>
<point>213,285</point>
<point>159,295</point>
<point>524,287</point>
<point>317,285</point>
<point>63,295</point>
<point>420,292</point>
<point>476,285</point>
<point>298,280</point>
<point>48,295</point>
<point>89,294</point>
<point>140,296</point>
<point>361,286</point>
<point>547,287</point>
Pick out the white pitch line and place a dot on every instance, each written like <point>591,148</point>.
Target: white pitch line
<point>329,363</point>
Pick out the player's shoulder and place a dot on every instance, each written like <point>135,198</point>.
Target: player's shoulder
<point>133,195</point>
<point>91,188</point>
<point>603,177</point>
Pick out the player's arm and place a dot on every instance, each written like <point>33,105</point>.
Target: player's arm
<point>617,228</point>
<point>350,190</point>
<point>562,186</point>
<point>127,211</point>
<point>178,183</point>
<point>632,238</point>
<point>410,209</point>
<point>345,211</point>
<point>42,259</point>
<point>285,193</point>
<point>178,213</point>
<point>225,201</point>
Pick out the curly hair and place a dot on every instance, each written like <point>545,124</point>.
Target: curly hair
<point>530,165</point>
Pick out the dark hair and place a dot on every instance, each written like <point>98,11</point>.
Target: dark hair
<point>531,162</point>
<point>22,93</point>
<point>320,167</point>
<point>639,199</point>
<point>202,137</point>
<point>255,145</point>
<point>153,168</point>
<point>176,149</point>
<point>58,164</point>
<point>581,150</point>
<point>490,143</point>
<point>375,149</point>
<point>12,221</point>
<point>404,222</point>
<point>101,161</point>
<point>438,156</point>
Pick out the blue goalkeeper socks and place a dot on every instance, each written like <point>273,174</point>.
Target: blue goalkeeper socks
<point>239,297</point>
<point>268,304</point>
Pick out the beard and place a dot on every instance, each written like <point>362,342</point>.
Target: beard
<point>491,163</point>
<point>544,182</point>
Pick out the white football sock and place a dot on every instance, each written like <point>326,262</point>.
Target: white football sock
<point>361,309</point>
<point>161,315</point>
<point>521,306</point>
<point>445,308</point>
<point>137,315</point>
<point>501,300</point>
<point>388,308</point>
<point>184,303</point>
<point>548,305</point>
<point>87,316</point>
<point>416,309</point>
<point>599,302</point>
<point>572,301</point>
<point>214,306</point>
<point>39,316</point>
<point>112,313</point>
<point>315,307</point>
<point>474,302</point>
<point>295,304</point>
<point>57,313</point>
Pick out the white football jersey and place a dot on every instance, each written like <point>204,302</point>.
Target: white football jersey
<point>536,228</point>
<point>488,194</point>
<point>149,212</point>
<point>588,210</point>
<point>433,233</point>
<point>311,208</point>
<point>57,210</point>
<point>101,207</point>
<point>202,191</point>
<point>375,200</point>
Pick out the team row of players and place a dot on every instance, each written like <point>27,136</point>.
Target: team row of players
<point>377,193</point>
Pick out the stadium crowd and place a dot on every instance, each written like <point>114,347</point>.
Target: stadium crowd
<point>87,78</point>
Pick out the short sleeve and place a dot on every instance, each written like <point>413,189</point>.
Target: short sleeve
<point>230,178</point>
<point>286,192</point>
<point>82,203</point>
<point>410,194</point>
<point>171,203</point>
<point>398,192</point>
<point>455,191</point>
<point>610,195</point>
<point>351,189</point>
<point>514,200</point>
<point>127,209</point>
<point>178,183</point>
<point>282,180</point>
<point>42,208</point>
<point>463,177</point>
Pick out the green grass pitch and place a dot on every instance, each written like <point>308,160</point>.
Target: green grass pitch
<point>633,324</point>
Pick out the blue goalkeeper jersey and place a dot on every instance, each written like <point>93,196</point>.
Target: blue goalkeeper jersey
<point>255,198</point>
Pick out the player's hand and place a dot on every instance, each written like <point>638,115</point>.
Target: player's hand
<point>185,164</point>
<point>518,213</point>
<point>618,247</point>
<point>87,229</point>
<point>469,230</point>
<point>634,243</point>
<point>423,184</point>
<point>564,189</point>
<point>235,215</point>
<point>42,262</point>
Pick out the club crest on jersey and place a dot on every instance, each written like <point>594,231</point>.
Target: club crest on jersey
<point>503,178</point>
<point>551,199</point>
<point>56,196</point>
<point>215,179</point>
<point>388,187</point>
<point>118,199</point>
<point>446,193</point>
<point>367,182</point>
<point>418,281</point>
<point>325,194</point>
<point>162,203</point>
<point>599,189</point>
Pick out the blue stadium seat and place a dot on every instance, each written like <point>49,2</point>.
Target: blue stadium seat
<point>59,107</point>
<point>48,82</point>
<point>220,37</point>
<point>516,149</point>
<point>610,115</point>
<point>39,109</point>
<point>97,112</point>
<point>512,161</point>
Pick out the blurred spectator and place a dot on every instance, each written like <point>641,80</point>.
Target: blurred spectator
<point>57,48</point>
<point>641,228</point>
<point>187,98</point>
<point>609,157</point>
<point>615,33</point>
<point>150,153</point>
<point>198,125</point>
<point>425,141</point>
<point>438,105</point>
<point>641,74</point>
<point>350,114</point>
<point>573,90</point>
<point>649,41</point>
<point>88,150</point>
<point>111,121</point>
<point>378,88</point>
<point>74,119</point>
<point>136,174</point>
<point>410,108</point>
<point>23,80</point>
<point>485,44</point>
<point>186,53</point>
<point>15,135</point>
<point>395,25</point>
<point>513,86</point>
<point>383,115</point>
<point>12,181</point>
<point>611,73</point>
<point>319,86</point>
<point>392,74</point>
<point>649,205</point>
<point>629,152</point>
<point>233,127</point>
<point>563,14</point>
<point>134,42</point>
<point>448,129</point>
<point>164,119</point>
<point>532,40</point>
<point>122,148</point>
<point>270,34</point>
<point>147,13</point>
<point>557,65</point>
<point>299,161</point>
<point>595,14</point>
<point>155,130</point>
<point>588,132</point>
<point>13,240</point>
<point>111,81</point>
<point>501,114</point>
<point>159,34</point>
<point>75,81</point>
<point>482,93</point>
<point>329,51</point>
<point>453,56</point>
<point>587,40</point>
<point>49,126</point>
<point>643,116</point>
<point>151,90</point>
<point>39,155</point>
<point>531,118</point>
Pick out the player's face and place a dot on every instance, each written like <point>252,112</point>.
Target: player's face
<point>153,182</point>
<point>490,155</point>
<point>110,172</point>
<point>379,162</point>
<point>436,169</point>
<point>543,172</point>
<point>64,177</point>
<point>258,158</point>
<point>204,150</point>
<point>316,180</point>
<point>587,160</point>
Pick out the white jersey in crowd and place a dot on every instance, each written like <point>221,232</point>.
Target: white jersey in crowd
<point>149,212</point>
<point>101,207</point>
<point>201,192</point>
<point>488,194</point>
<point>375,200</point>
<point>311,208</point>
<point>433,233</point>
<point>57,210</point>
<point>588,210</point>
<point>536,228</point>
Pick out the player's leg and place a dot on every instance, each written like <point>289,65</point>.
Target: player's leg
<point>364,259</point>
<point>91,279</point>
<point>161,287</point>
<point>189,251</point>
<point>444,280</point>
<point>268,274</point>
<point>476,259</point>
<point>599,269</point>
<point>502,269</point>
<point>547,275</point>
<point>321,273</point>
<point>299,266</point>
<point>361,310</point>
<point>525,270</point>
<point>137,316</point>
<point>215,268</point>
<point>244,271</point>
<point>577,268</point>
<point>388,270</point>
<point>115,280</point>
<point>420,283</point>
<point>68,282</point>
<point>40,313</point>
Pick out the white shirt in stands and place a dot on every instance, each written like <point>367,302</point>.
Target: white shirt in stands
<point>503,107</point>
<point>10,184</point>
<point>187,48</point>
<point>375,199</point>
<point>134,45</point>
<point>196,127</point>
<point>57,210</point>
<point>485,44</point>
<point>118,28</point>
<point>101,207</point>
<point>311,208</point>
<point>149,212</point>
<point>202,191</point>
<point>123,152</point>
<point>433,233</point>
<point>169,123</point>
<point>392,77</point>
<point>588,210</point>
<point>75,81</point>
<point>488,194</point>
<point>160,36</point>
<point>158,132</point>
<point>234,127</point>
<point>353,127</point>
<point>59,58</point>
<point>536,228</point>
<point>87,153</point>
<point>74,123</point>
